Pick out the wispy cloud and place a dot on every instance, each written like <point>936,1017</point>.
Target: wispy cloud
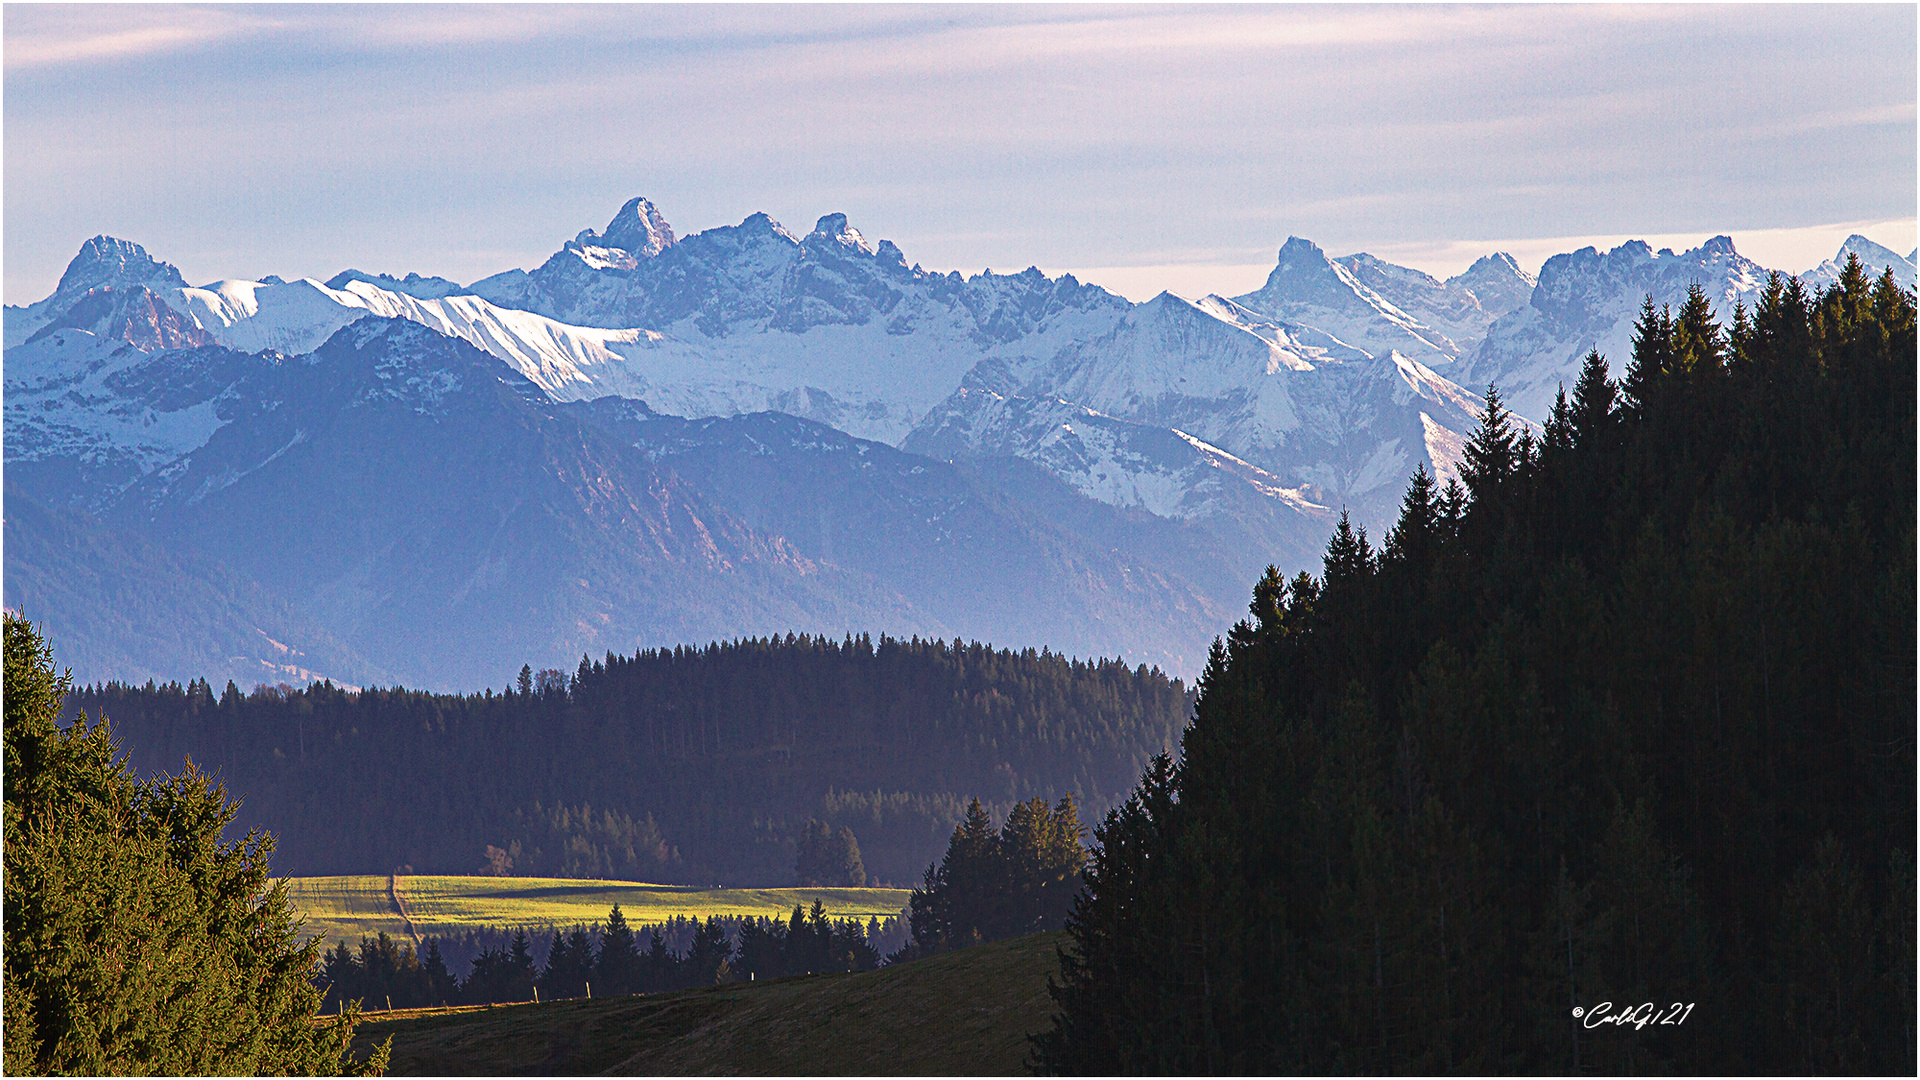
<point>40,36</point>
<point>421,136</point>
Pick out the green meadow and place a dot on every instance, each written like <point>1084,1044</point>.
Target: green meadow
<point>408,906</point>
<point>962,1013</point>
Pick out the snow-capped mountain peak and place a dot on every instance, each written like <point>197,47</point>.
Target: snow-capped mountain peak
<point>104,262</point>
<point>1874,259</point>
<point>1589,300</point>
<point>107,261</point>
<point>414,285</point>
<point>134,314</point>
<point>833,229</point>
<point>638,228</point>
<point>1308,288</point>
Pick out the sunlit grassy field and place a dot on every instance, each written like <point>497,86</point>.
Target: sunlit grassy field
<point>346,908</point>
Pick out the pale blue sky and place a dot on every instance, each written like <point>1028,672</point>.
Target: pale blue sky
<point>1142,147</point>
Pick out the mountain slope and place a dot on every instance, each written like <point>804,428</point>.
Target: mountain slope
<point>118,605</point>
<point>425,503</point>
<point>102,261</point>
<point>1590,300</point>
<point>1345,432</point>
<point>992,561</point>
<point>989,998</point>
<point>1873,257</point>
<point>1308,288</point>
<point>1461,307</point>
<point>750,317</point>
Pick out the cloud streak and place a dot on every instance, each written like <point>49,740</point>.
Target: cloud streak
<point>291,139</point>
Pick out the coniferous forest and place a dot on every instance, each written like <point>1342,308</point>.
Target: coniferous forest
<point>684,766</point>
<point>1627,719</point>
<point>607,959</point>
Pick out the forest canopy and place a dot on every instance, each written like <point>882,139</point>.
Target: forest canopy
<point>1625,716</point>
<point>683,765</point>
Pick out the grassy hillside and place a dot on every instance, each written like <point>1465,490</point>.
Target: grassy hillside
<point>346,908</point>
<point>961,1013</point>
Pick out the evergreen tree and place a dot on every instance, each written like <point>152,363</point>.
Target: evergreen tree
<point>1492,452</point>
<point>1645,736</point>
<point>761,949</point>
<point>997,885</point>
<point>441,988</point>
<point>707,956</point>
<point>1653,357</point>
<point>828,857</point>
<point>659,969</point>
<point>1415,539</point>
<point>135,940</point>
<point>618,970</point>
<point>1594,398</point>
<point>520,970</point>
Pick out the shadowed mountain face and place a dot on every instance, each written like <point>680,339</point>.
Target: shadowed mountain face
<point>1051,465</point>
<point>411,498</point>
<point>115,602</point>
<point>428,504</point>
<point>978,554</point>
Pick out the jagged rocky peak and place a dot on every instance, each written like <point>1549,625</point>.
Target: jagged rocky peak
<point>1498,282</point>
<point>106,260</point>
<point>1302,271</point>
<point>1718,246</point>
<point>833,228</point>
<point>130,313</point>
<point>889,253</point>
<point>415,285</point>
<point>1874,260</point>
<point>1871,254</point>
<point>1498,262</point>
<point>1299,252</point>
<point>638,228</point>
<point>760,222</point>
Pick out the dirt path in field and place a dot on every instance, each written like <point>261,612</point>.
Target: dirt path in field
<point>393,895</point>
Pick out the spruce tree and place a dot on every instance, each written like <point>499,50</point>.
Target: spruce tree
<point>1594,398</point>
<point>1492,452</point>
<point>618,969</point>
<point>1648,739</point>
<point>136,941</point>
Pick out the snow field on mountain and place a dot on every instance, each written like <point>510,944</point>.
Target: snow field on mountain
<point>569,362</point>
<point>66,395</point>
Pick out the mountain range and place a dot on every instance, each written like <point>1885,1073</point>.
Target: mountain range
<point>651,439</point>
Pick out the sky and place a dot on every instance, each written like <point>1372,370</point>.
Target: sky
<point>1141,148</point>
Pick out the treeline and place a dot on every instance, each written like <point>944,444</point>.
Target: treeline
<point>684,765</point>
<point>994,885</point>
<point>1625,724</point>
<point>600,960</point>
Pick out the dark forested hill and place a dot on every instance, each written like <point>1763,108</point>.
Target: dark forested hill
<point>689,765</point>
<point>1625,727</point>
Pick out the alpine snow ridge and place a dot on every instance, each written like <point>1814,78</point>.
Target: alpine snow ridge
<point>1874,259</point>
<point>652,438</point>
<point>1588,300</point>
